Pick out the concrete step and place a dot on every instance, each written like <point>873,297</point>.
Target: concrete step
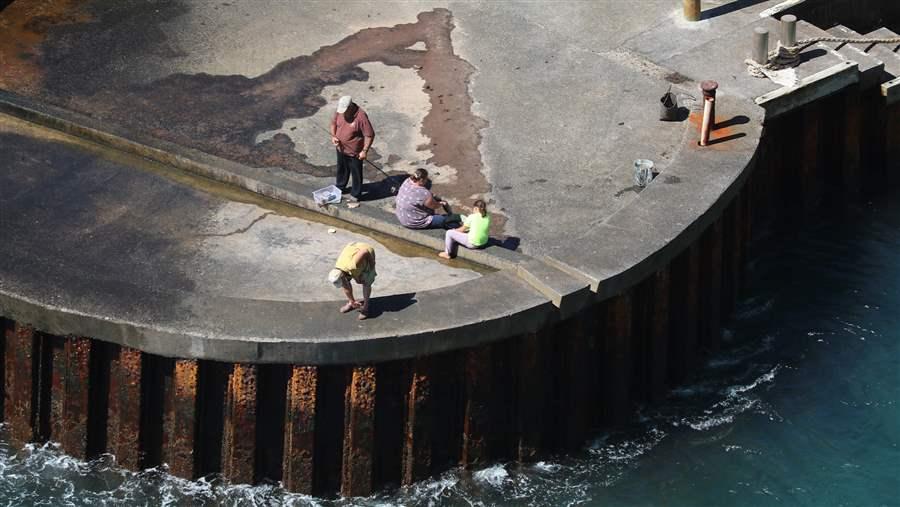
<point>871,69</point>
<point>888,53</point>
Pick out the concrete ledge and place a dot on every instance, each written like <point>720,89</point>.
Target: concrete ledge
<point>241,330</point>
<point>264,181</point>
<point>672,211</point>
<point>818,85</point>
<point>567,293</point>
<point>891,91</point>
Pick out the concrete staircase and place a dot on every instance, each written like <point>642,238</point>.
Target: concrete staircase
<point>887,54</point>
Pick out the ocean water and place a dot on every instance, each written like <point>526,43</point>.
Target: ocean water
<point>799,408</point>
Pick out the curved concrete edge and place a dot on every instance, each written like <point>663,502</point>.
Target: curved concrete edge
<point>672,211</point>
<point>619,253</point>
<point>239,330</point>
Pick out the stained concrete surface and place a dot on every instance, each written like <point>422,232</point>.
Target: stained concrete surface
<point>74,215</point>
<point>542,111</point>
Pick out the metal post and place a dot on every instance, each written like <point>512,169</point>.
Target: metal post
<point>709,110</point>
<point>691,10</point>
<point>760,45</point>
<point>789,30</point>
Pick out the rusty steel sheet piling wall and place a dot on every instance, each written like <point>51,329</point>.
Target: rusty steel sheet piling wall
<point>354,428</point>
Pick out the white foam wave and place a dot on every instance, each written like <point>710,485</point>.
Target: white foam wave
<point>495,475</point>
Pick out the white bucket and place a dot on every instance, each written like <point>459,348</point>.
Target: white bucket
<point>328,195</point>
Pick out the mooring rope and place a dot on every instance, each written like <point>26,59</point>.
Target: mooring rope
<point>784,57</point>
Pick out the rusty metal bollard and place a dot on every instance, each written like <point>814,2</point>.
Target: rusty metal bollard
<point>709,110</point>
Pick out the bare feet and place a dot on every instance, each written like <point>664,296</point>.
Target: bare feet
<point>350,307</point>
<point>444,255</point>
<point>363,313</point>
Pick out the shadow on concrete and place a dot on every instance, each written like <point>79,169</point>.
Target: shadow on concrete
<point>381,189</point>
<point>509,242</point>
<point>729,7</point>
<point>811,55</point>
<point>726,138</point>
<point>681,114</point>
<point>389,304</point>
<point>737,120</point>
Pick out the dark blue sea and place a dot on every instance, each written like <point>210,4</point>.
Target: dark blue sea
<point>800,408</point>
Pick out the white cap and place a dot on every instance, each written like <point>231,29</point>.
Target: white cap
<point>343,103</point>
<point>334,276</point>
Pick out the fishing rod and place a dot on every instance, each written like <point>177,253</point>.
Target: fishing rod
<point>387,177</point>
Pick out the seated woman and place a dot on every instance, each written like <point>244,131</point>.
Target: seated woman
<point>416,205</point>
<point>472,234</point>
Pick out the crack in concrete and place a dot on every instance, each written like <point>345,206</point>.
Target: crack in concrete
<point>242,229</point>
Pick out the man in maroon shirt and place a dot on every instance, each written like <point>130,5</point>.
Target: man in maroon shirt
<point>352,135</point>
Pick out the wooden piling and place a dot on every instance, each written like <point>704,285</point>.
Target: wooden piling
<point>20,370</point>
<point>532,392</point>
<point>419,422</point>
<point>659,334</point>
<point>579,376</point>
<point>617,360</point>
<point>359,433</point>
<point>299,430</point>
<point>239,430</point>
<point>892,144</point>
<point>124,412</point>
<point>710,325</point>
<point>811,174</point>
<point>69,396</point>
<point>181,419</point>
<point>477,426</point>
<point>850,168</point>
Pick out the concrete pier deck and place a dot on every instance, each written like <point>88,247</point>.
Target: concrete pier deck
<point>162,262</point>
<point>498,100</point>
<point>542,111</point>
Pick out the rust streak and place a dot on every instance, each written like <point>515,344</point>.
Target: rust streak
<point>239,436</point>
<point>180,419</point>
<point>76,384</point>
<point>299,431</point>
<point>359,432</point>
<point>19,371</point>
<point>25,25</point>
<point>124,421</point>
<point>418,430</point>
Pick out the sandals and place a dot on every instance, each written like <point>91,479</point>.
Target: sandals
<point>349,307</point>
<point>363,314</point>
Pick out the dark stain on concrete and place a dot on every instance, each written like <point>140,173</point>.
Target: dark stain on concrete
<point>633,188</point>
<point>25,25</point>
<point>80,58</point>
<point>79,204</point>
<point>677,78</point>
<point>223,114</point>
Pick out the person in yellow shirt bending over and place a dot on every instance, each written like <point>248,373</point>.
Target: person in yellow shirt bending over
<point>356,262</point>
<point>472,234</point>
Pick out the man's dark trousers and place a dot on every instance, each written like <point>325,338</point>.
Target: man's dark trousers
<point>349,167</point>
